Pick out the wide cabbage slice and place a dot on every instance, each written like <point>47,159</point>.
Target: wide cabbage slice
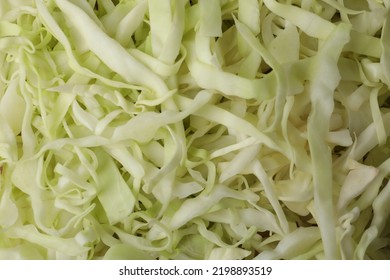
<point>204,129</point>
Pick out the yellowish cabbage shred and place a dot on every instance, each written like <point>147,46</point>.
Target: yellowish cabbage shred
<point>209,129</point>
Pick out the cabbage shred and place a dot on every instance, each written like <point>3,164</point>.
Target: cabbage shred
<point>176,129</point>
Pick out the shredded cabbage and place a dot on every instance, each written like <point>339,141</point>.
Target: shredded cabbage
<point>208,129</point>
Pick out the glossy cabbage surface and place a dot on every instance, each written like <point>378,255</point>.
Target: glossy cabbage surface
<point>209,129</point>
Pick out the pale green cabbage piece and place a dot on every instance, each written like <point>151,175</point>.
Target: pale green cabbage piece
<point>177,129</point>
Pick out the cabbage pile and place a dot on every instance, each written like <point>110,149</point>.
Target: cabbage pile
<point>208,129</point>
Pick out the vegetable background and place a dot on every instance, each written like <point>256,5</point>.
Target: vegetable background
<point>209,129</point>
